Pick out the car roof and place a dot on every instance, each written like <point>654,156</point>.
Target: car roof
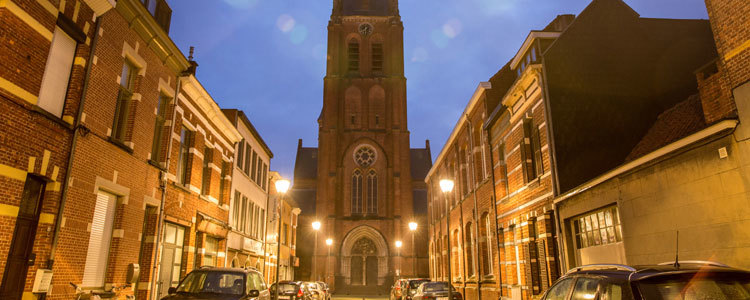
<point>641,272</point>
<point>227,269</point>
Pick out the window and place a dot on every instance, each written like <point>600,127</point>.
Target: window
<point>56,77</point>
<point>151,7</point>
<point>157,153</point>
<point>243,218</point>
<point>560,290</point>
<point>183,168</point>
<point>536,145</point>
<point>455,255</point>
<point>236,209</point>
<point>377,57</point>
<point>265,177</point>
<point>585,289</point>
<point>372,192</point>
<point>353,51</point>
<point>528,150</point>
<point>248,155</point>
<point>222,181</point>
<point>469,245</point>
<point>207,159</point>
<point>253,170</point>
<point>210,251</point>
<point>598,228</point>
<point>485,242</point>
<point>240,153</point>
<point>122,111</point>
<point>357,192</point>
<point>99,239</point>
<point>284,234</point>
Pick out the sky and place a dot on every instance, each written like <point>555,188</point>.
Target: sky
<point>267,57</point>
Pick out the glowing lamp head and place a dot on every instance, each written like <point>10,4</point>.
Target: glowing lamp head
<point>399,244</point>
<point>413,226</point>
<point>316,225</point>
<point>329,242</point>
<point>282,186</point>
<point>446,185</point>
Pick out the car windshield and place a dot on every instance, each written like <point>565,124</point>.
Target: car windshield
<point>436,287</point>
<point>416,283</point>
<point>285,288</point>
<point>697,287</point>
<point>213,283</point>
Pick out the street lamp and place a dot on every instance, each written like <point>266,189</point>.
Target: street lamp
<point>413,229</point>
<point>329,243</point>
<point>316,228</point>
<point>282,186</point>
<point>446,185</point>
<point>398,251</point>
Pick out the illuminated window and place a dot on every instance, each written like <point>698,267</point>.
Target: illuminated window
<point>598,228</point>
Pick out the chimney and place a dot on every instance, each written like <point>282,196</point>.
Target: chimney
<point>193,65</point>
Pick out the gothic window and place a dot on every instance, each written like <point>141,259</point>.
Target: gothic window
<point>353,52</point>
<point>357,192</point>
<point>485,245</point>
<point>469,245</point>
<point>364,247</point>
<point>365,156</point>
<point>372,192</point>
<point>377,57</point>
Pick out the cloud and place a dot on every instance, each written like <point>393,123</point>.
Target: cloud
<point>285,23</point>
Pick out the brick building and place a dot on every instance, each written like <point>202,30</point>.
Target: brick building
<point>359,179</point>
<point>248,204</point>
<point>286,253</point>
<point>474,253</point>
<point>45,49</point>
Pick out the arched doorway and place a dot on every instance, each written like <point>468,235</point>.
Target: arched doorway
<point>364,258</point>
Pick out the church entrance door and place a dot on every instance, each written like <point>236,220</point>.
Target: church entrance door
<point>372,271</point>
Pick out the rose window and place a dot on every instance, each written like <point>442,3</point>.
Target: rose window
<point>365,156</point>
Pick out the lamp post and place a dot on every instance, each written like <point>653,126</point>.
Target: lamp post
<point>446,185</point>
<point>282,186</point>
<point>329,243</point>
<point>316,228</point>
<point>398,251</point>
<point>413,229</point>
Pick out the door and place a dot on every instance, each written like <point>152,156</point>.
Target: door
<point>357,270</point>
<point>372,271</point>
<point>17,265</point>
<point>171,259</point>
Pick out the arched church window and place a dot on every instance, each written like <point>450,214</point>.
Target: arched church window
<point>372,192</point>
<point>353,51</point>
<point>365,156</point>
<point>357,192</point>
<point>377,57</point>
<point>469,248</point>
<point>364,247</point>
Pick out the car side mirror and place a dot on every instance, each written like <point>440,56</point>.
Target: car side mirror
<point>172,290</point>
<point>254,293</point>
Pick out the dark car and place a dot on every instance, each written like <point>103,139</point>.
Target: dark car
<point>220,284</point>
<point>409,287</point>
<point>436,291</point>
<point>685,280</point>
<point>292,290</point>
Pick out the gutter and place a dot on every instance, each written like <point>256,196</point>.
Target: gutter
<point>659,153</point>
<point>74,143</point>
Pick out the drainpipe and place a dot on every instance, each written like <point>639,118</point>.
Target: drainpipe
<point>476,206</point>
<point>71,156</point>
<point>163,188</point>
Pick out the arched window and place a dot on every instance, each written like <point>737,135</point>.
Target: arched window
<point>485,247</point>
<point>377,57</point>
<point>469,248</point>
<point>456,254</point>
<point>372,192</point>
<point>353,55</point>
<point>357,192</point>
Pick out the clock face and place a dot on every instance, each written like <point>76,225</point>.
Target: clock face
<point>365,29</point>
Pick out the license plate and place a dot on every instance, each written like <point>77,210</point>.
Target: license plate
<point>442,298</point>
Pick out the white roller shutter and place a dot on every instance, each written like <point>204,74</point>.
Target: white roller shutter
<point>101,234</point>
<point>57,73</point>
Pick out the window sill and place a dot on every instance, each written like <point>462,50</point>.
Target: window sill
<point>52,117</point>
<point>182,187</point>
<point>121,145</point>
<point>157,165</point>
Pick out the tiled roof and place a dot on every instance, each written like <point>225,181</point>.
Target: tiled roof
<point>683,119</point>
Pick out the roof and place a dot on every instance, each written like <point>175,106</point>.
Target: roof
<point>306,165</point>
<point>501,83</point>
<point>235,114</point>
<point>682,120</point>
<point>421,162</point>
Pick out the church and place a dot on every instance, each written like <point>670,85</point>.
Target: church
<point>363,183</point>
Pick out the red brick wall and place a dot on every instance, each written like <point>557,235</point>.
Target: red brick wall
<point>731,29</point>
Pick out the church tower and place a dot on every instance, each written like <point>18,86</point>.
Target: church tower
<point>364,183</point>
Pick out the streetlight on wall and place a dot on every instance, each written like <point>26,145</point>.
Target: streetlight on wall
<point>398,251</point>
<point>282,186</point>
<point>446,186</point>
<point>316,227</point>
<point>413,228</point>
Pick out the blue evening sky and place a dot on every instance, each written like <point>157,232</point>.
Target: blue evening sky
<point>267,57</point>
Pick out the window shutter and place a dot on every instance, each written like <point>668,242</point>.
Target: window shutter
<point>56,77</point>
<point>537,145</point>
<point>99,239</point>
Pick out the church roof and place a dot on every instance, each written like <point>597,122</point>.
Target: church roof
<point>421,163</point>
<point>306,165</point>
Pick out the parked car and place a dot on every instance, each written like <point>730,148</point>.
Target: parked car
<point>324,287</point>
<point>220,284</point>
<point>315,289</point>
<point>292,290</point>
<point>397,289</point>
<point>685,280</point>
<point>436,291</point>
<point>410,287</point>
